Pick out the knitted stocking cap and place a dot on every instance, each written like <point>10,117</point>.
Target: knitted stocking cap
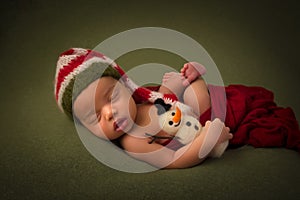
<point>86,66</point>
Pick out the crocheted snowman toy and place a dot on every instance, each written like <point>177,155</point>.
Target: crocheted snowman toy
<point>182,127</point>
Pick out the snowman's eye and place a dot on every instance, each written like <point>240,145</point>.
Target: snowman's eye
<point>173,113</point>
<point>170,123</point>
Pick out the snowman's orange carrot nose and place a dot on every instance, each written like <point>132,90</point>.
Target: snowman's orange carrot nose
<point>177,115</point>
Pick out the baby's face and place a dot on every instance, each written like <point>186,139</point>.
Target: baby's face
<point>106,108</point>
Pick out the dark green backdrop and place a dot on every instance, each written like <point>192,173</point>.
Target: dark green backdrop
<point>41,156</point>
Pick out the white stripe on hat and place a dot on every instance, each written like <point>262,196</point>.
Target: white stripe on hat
<point>65,60</point>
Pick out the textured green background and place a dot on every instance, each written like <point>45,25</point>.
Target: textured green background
<point>41,156</point>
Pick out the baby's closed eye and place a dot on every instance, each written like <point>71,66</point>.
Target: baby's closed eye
<point>114,95</point>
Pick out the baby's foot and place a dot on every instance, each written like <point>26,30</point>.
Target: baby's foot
<point>215,140</point>
<point>174,82</point>
<point>219,149</point>
<point>191,71</point>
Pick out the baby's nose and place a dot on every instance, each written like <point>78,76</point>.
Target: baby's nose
<point>108,116</point>
<point>109,113</point>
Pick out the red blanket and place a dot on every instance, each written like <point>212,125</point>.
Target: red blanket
<point>253,117</point>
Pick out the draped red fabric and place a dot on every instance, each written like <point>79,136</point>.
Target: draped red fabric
<point>253,117</point>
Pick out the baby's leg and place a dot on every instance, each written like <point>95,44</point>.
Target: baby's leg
<point>196,96</point>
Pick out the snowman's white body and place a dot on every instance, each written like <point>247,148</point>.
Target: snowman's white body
<point>185,128</point>
<point>184,131</point>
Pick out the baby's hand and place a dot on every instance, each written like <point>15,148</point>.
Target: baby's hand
<point>191,71</point>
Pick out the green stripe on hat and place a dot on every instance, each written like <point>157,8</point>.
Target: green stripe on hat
<point>82,80</point>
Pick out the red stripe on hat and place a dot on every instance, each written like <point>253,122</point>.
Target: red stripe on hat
<point>172,97</point>
<point>141,95</point>
<point>70,67</point>
<point>68,52</point>
<point>67,69</point>
<point>120,70</point>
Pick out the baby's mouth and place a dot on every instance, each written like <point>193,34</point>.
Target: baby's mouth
<point>120,124</point>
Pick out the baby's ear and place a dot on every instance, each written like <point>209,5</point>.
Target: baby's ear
<point>161,106</point>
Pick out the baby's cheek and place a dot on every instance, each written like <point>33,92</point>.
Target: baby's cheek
<point>122,105</point>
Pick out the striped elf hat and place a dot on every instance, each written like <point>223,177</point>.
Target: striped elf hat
<point>86,66</point>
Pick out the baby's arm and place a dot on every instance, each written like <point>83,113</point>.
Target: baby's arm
<point>162,157</point>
